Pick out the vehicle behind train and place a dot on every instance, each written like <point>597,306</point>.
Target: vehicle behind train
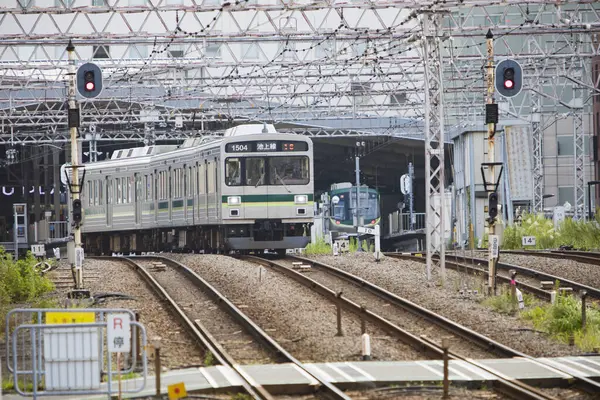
<point>342,206</point>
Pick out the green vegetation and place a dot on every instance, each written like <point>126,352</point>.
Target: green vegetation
<point>579,234</point>
<point>19,280</point>
<point>318,248</point>
<point>209,359</point>
<point>504,304</point>
<point>241,396</point>
<point>563,320</point>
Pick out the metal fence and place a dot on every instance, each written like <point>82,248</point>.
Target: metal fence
<point>400,223</point>
<point>70,356</point>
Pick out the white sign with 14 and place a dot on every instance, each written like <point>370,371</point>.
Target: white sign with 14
<point>493,245</point>
<point>528,240</point>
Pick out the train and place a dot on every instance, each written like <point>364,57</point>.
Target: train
<point>249,190</point>
<point>342,203</point>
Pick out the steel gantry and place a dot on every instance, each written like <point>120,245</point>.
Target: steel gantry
<point>179,68</point>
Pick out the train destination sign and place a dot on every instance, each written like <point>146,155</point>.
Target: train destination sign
<point>265,146</point>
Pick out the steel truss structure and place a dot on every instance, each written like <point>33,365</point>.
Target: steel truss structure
<point>179,68</point>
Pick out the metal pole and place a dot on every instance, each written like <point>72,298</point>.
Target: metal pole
<point>491,150</point>
<point>74,159</point>
<point>411,174</point>
<point>357,160</point>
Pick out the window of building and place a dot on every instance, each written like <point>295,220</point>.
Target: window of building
<point>138,2</point>
<point>211,3</point>
<point>63,3</point>
<point>176,51</point>
<point>101,51</point>
<point>565,194</point>
<point>564,145</point>
<point>325,49</point>
<point>251,52</point>
<point>99,3</point>
<point>26,3</point>
<point>212,50</point>
<point>173,2</point>
<point>138,51</point>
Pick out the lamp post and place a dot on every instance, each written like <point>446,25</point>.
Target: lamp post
<point>360,148</point>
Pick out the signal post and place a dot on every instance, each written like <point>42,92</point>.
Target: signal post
<point>87,80</point>
<point>507,79</point>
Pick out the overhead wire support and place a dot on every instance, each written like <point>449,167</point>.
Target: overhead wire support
<point>491,130</point>
<point>434,145</point>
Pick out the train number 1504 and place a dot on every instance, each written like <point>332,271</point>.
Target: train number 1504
<point>239,147</point>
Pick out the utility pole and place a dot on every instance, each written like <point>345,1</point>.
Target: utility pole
<point>411,175</point>
<point>357,162</point>
<point>491,130</point>
<point>434,144</point>
<point>74,186</point>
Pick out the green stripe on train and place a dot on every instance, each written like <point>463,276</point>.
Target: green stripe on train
<point>264,198</point>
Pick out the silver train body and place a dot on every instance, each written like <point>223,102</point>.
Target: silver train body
<point>252,189</point>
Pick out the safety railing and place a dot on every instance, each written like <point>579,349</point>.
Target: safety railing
<point>60,352</point>
<point>400,223</point>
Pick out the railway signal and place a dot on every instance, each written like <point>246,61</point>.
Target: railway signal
<point>493,207</point>
<point>509,78</point>
<point>89,80</point>
<point>77,216</point>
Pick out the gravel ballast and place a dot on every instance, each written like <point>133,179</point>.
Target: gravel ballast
<point>408,279</point>
<point>176,348</point>
<point>303,322</point>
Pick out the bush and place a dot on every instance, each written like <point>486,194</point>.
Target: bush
<point>20,282</point>
<point>563,319</point>
<point>320,247</point>
<point>532,225</point>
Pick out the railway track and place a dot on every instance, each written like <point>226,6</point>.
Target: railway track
<point>579,256</point>
<point>352,284</point>
<point>227,317</point>
<point>528,285</point>
<point>528,272</point>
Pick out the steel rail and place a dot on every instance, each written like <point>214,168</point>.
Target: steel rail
<point>537,292</point>
<point>325,388</point>
<point>583,383</point>
<point>592,292</point>
<point>579,256</point>
<point>508,386</point>
<point>197,333</point>
<point>480,340</point>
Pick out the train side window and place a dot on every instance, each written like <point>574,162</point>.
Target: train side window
<point>89,193</point>
<point>100,193</point>
<point>128,188</point>
<point>109,195</point>
<point>201,176</point>
<point>118,185</point>
<point>95,192</point>
<point>210,177</point>
<point>233,172</point>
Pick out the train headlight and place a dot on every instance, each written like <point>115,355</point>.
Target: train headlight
<point>234,200</point>
<point>300,199</point>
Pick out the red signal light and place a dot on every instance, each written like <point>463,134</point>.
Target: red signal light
<point>509,84</point>
<point>89,86</point>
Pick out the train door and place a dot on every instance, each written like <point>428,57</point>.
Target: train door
<point>206,189</point>
<point>217,191</point>
<point>137,197</point>
<point>184,177</point>
<point>155,183</point>
<point>109,201</point>
<point>170,192</point>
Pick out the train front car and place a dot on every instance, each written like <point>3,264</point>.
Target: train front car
<point>267,189</point>
<point>342,198</point>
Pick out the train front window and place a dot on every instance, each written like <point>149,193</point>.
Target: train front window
<point>372,212</point>
<point>339,210</point>
<point>233,172</point>
<point>288,171</point>
<point>255,171</point>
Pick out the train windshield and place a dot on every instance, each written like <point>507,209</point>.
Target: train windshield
<point>368,204</point>
<point>288,171</point>
<point>258,171</point>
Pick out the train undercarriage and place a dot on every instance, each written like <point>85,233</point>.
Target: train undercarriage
<point>242,238</point>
